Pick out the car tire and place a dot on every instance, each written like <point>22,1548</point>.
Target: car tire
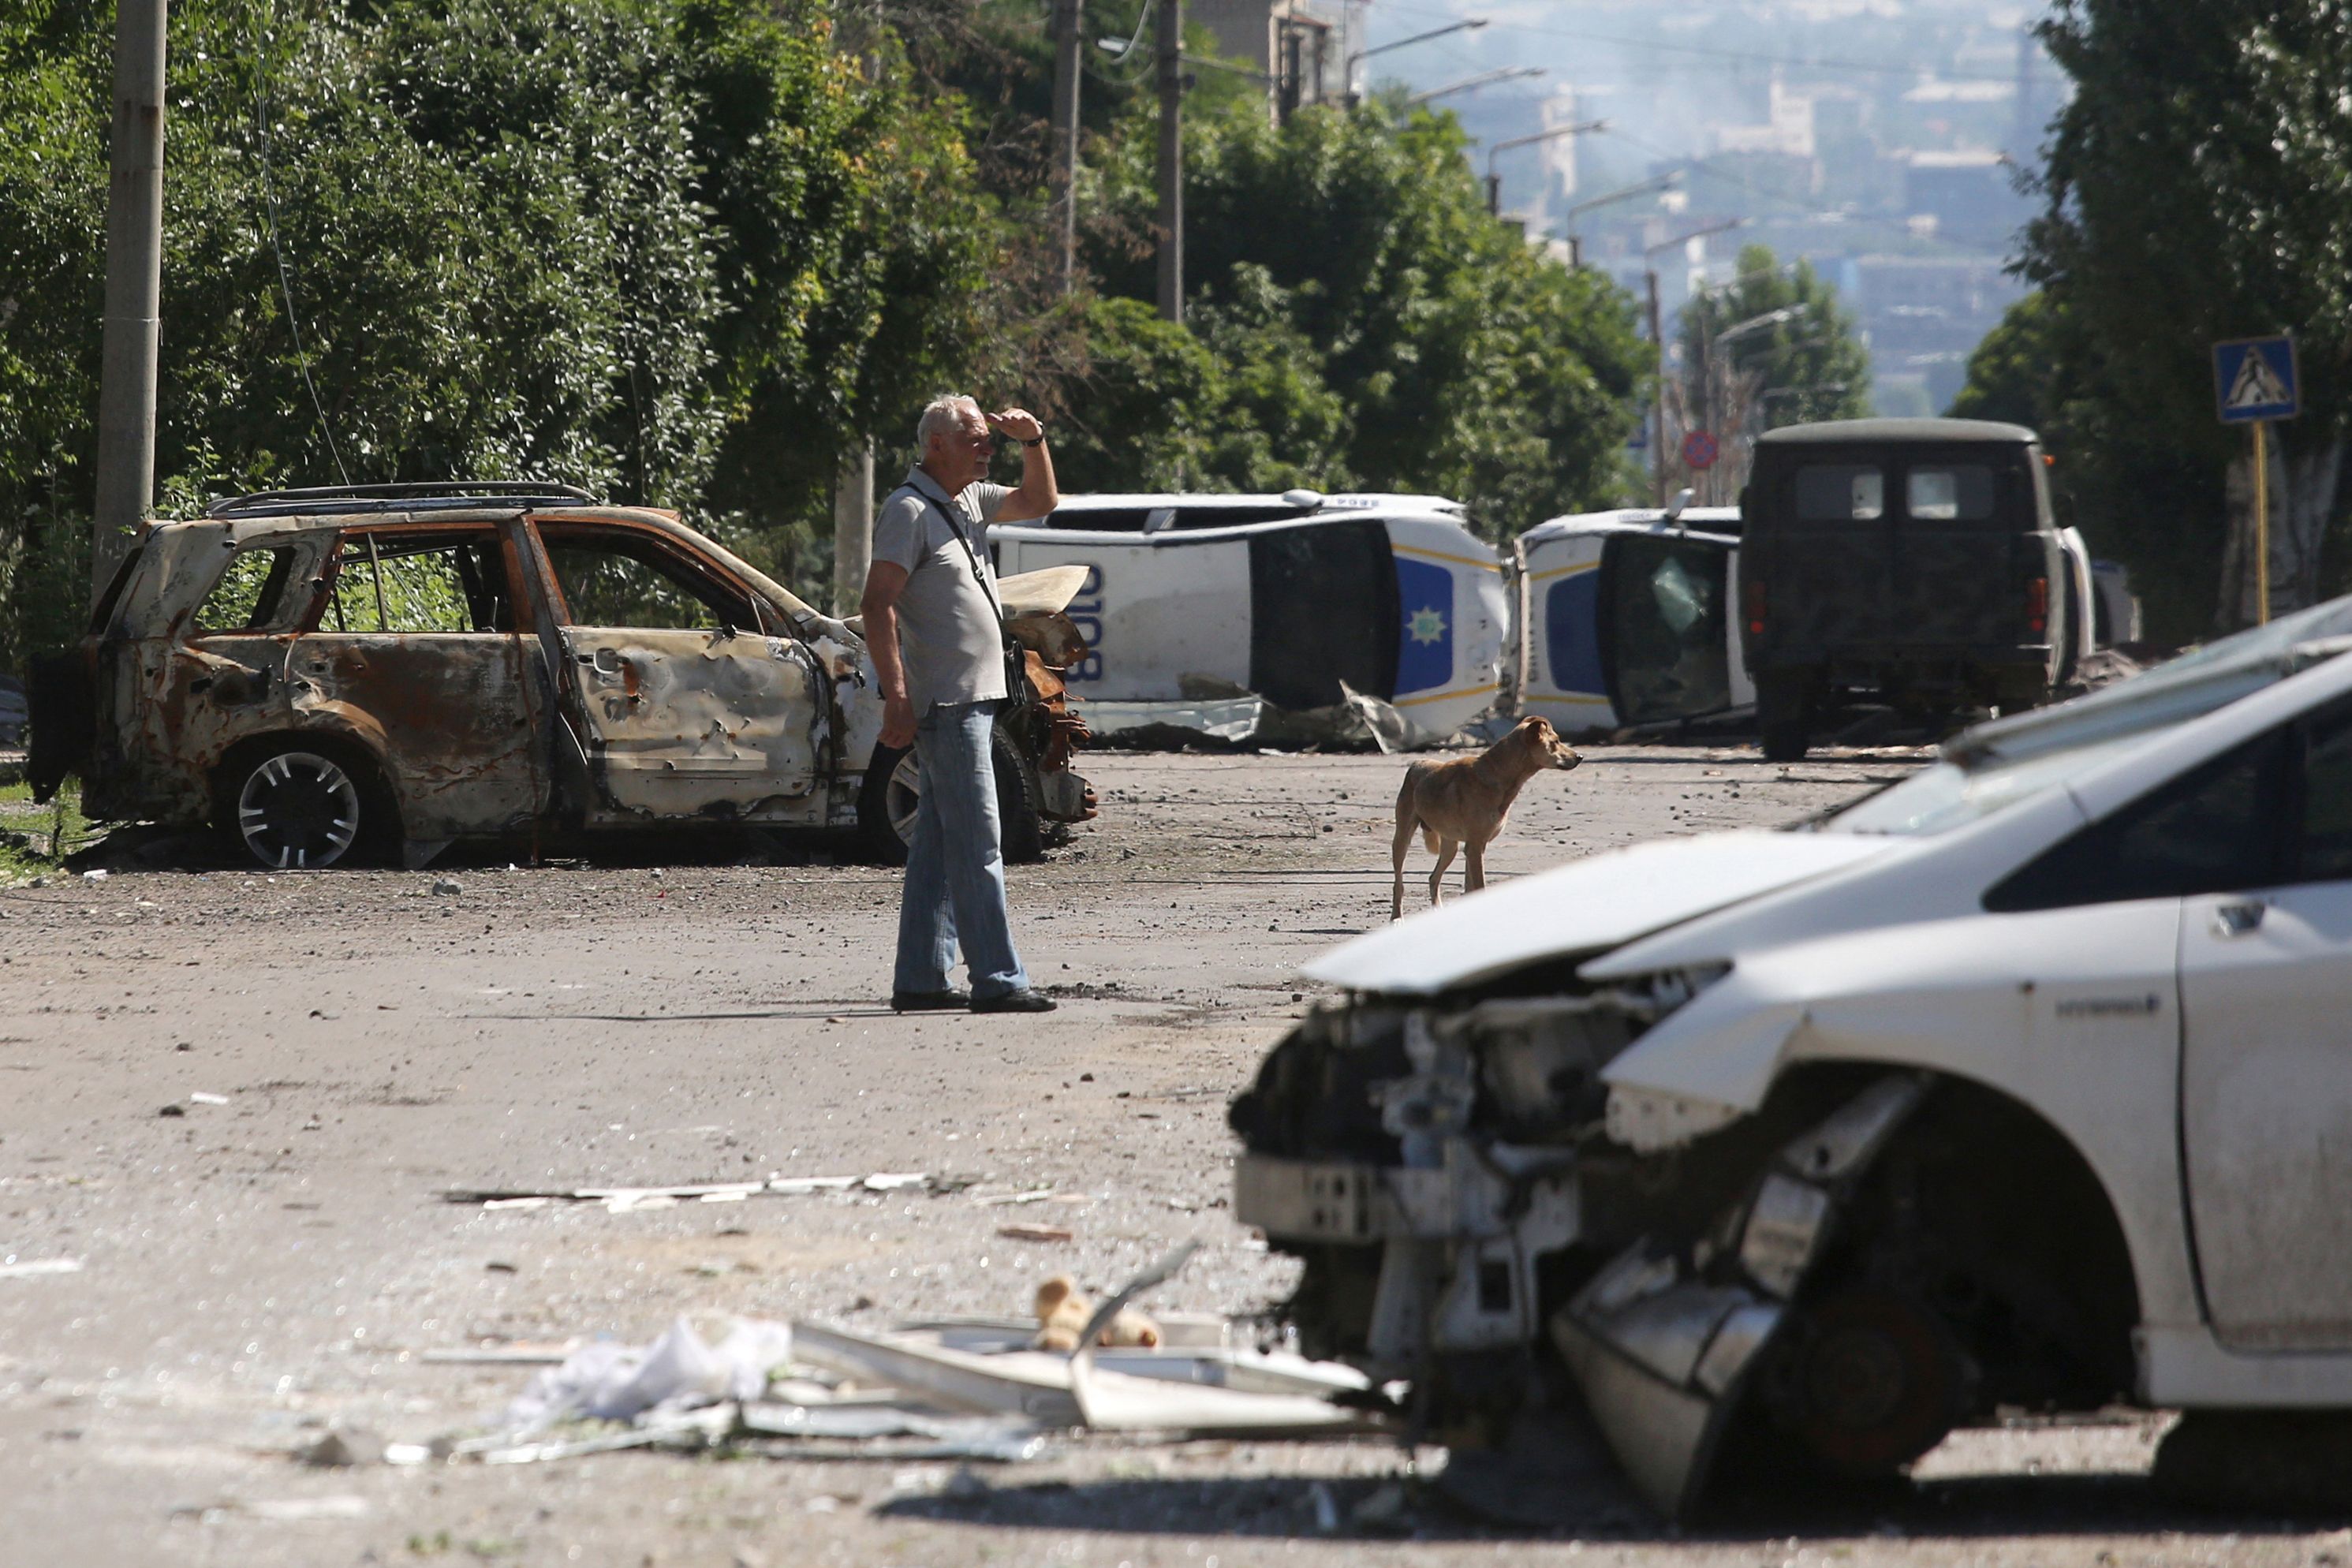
<point>303,804</point>
<point>893,787</point>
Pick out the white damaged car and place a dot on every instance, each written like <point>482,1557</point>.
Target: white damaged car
<point>2025,1082</point>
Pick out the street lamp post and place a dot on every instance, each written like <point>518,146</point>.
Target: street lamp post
<point>1469,83</point>
<point>1658,344</point>
<point>1347,71</point>
<point>1710,345</point>
<point>1665,182</point>
<point>1495,181</point>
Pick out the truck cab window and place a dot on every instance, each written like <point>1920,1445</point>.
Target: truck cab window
<point>1840,493</point>
<point>1961,494</point>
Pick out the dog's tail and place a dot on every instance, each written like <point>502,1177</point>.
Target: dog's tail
<point>1408,815</point>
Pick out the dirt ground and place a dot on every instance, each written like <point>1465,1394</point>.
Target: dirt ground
<point>256,1270</point>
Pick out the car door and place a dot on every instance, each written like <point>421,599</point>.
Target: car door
<point>684,706</point>
<point>2266,1081</point>
<point>415,642</point>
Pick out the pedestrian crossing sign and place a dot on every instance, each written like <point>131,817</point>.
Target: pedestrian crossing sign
<point>2255,379</point>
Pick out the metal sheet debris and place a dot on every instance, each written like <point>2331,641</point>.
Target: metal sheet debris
<point>629,1200</point>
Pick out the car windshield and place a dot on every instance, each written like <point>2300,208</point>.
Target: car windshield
<point>1951,794</point>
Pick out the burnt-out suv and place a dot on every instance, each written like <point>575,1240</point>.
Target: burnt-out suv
<point>324,672</point>
<point>1915,562</point>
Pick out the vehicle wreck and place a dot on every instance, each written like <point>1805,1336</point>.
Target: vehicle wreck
<point>317,673</point>
<point>1277,620</point>
<point>1797,1149</point>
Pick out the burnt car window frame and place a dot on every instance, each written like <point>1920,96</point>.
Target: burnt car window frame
<point>675,562</point>
<point>276,607</point>
<point>408,539</point>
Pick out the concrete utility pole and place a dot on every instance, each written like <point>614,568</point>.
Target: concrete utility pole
<point>134,283</point>
<point>1172,160</point>
<point>853,529</point>
<point>1066,15</point>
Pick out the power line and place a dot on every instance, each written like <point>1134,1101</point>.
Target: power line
<point>285,278</point>
<point>1699,167</point>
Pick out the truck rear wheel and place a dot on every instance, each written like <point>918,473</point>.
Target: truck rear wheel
<point>1782,716</point>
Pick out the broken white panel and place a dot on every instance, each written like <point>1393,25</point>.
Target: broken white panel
<point>1023,1382</point>
<point>1116,1402</point>
<point>1229,719</point>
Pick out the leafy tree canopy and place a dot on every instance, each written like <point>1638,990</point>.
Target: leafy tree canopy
<point>1782,328</point>
<point>2195,189</point>
<point>676,251</point>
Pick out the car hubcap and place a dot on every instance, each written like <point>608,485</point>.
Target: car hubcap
<point>297,809</point>
<point>905,797</point>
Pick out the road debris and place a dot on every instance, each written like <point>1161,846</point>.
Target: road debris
<point>200,1096</point>
<point>37,1267</point>
<point>343,1447</point>
<point>628,1200</point>
<point>333,1505</point>
<point>973,1389</point>
<point>1043,1233</point>
<point>611,1382</point>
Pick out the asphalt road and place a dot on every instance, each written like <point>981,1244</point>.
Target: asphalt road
<point>259,1266</point>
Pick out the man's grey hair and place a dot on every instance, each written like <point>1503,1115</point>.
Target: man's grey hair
<point>942,416</point>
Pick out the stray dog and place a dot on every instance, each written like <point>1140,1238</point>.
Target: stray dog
<point>1063,1312</point>
<point>1464,802</point>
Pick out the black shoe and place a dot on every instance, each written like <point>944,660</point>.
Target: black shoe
<point>929,1001</point>
<point>1013,1001</point>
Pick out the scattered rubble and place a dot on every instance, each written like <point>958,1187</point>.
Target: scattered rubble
<point>968,1389</point>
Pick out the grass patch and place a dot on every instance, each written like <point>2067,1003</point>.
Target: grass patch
<point>35,839</point>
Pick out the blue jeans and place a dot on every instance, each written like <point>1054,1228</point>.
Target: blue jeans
<point>955,866</point>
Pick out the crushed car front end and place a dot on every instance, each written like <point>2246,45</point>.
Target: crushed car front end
<point>1726,1139</point>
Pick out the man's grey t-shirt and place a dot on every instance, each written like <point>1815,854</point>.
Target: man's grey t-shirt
<point>948,636</point>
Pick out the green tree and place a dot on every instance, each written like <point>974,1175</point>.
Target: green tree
<point>2194,190</point>
<point>1795,346</point>
<point>1462,359</point>
<point>678,251</point>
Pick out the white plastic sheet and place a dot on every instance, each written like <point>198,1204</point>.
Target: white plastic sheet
<point>677,1372</point>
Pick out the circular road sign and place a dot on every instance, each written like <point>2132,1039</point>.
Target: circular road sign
<point>1699,450</point>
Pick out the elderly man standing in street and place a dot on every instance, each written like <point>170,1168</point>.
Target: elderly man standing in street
<point>935,629</point>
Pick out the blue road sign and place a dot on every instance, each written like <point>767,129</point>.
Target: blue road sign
<point>2254,379</point>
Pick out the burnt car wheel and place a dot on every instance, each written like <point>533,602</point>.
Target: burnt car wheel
<point>298,809</point>
<point>893,792</point>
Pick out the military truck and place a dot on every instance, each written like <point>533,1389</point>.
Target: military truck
<point>1913,561</point>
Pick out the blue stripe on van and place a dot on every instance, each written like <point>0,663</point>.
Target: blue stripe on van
<point>1572,634</point>
<point>1425,637</point>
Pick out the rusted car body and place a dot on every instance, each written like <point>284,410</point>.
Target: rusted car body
<point>312,670</point>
